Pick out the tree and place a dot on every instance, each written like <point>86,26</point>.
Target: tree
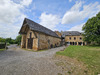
<point>2,39</point>
<point>10,40</point>
<point>92,30</point>
<point>18,39</point>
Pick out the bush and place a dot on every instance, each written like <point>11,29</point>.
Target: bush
<point>2,46</point>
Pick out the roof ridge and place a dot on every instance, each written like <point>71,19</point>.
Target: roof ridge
<point>39,24</point>
<point>49,30</point>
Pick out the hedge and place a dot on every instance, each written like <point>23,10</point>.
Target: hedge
<point>2,45</point>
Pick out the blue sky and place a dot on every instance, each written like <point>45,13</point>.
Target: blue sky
<point>65,15</point>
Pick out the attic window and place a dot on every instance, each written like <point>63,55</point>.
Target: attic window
<point>74,38</point>
<point>70,38</point>
<point>49,41</point>
<point>80,38</point>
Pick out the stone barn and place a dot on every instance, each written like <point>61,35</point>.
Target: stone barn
<point>37,37</point>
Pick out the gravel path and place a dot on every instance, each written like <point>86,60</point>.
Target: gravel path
<point>16,61</point>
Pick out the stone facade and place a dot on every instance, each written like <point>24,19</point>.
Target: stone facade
<point>37,37</point>
<point>74,40</point>
<point>46,41</point>
<point>40,40</point>
<point>58,33</point>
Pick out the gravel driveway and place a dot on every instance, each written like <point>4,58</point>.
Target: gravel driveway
<point>16,61</point>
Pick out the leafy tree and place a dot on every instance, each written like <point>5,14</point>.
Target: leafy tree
<point>2,39</point>
<point>18,39</point>
<point>92,30</point>
<point>10,40</point>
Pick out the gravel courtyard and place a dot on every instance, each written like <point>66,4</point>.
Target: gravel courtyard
<point>16,61</point>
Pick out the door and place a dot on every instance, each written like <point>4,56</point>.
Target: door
<point>30,43</point>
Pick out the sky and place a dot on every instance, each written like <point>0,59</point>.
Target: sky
<point>60,15</point>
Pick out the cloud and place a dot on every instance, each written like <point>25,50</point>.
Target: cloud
<point>49,20</point>
<point>80,11</point>
<point>70,0</point>
<point>9,31</point>
<point>11,17</point>
<point>77,28</point>
<point>26,2</point>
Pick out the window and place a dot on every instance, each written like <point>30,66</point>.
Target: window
<point>70,38</point>
<point>49,41</point>
<point>30,34</point>
<point>80,38</point>
<point>74,38</point>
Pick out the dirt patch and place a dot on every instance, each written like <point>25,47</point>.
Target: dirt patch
<point>71,66</point>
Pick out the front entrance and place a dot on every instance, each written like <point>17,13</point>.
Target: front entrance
<point>30,43</point>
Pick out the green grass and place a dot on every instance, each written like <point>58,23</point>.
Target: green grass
<point>90,55</point>
<point>2,49</point>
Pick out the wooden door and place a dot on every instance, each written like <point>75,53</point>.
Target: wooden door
<point>30,43</point>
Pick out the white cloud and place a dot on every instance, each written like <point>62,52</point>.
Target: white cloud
<point>26,2</point>
<point>11,17</point>
<point>77,28</point>
<point>50,21</point>
<point>80,11</point>
<point>9,31</point>
<point>70,0</point>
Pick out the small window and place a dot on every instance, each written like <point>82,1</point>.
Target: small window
<point>70,38</point>
<point>48,41</point>
<point>74,38</point>
<point>30,34</point>
<point>80,38</point>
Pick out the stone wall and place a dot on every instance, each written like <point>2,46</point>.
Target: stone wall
<point>35,39</point>
<point>67,39</point>
<point>75,40</point>
<point>58,33</point>
<point>46,41</point>
<point>40,40</point>
<point>23,41</point>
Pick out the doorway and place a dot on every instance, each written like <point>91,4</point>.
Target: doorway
<point>30,43</point>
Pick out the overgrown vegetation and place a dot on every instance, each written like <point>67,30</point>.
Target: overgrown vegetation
<point>92,30</point>
<point>2,49</point>
<point>11,41</point>
<point>90,55</point>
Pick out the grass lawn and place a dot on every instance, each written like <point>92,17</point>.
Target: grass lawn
<point>2,49</point>
<point>90,55</point>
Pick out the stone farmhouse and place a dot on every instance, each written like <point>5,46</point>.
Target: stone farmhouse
<point>37,37</point>
<point>73,38</point>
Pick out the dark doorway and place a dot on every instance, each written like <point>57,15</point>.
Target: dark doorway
<point>79,43</point>
<point>30,43</point>
<point>71,43</point>
<point>75,43</point>
<point>83,43</point>
<point>51,46</point>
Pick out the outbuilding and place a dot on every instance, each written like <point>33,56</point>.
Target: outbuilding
<point>37,37</point>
